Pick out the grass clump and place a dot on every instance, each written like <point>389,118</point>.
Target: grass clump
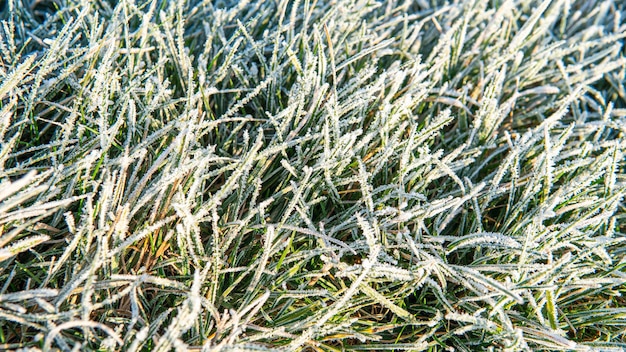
<point>312,175</point>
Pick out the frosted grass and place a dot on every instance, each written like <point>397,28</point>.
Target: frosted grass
<point>307,175</point>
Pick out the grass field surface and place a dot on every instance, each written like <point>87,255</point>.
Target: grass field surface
<point>309,175</point>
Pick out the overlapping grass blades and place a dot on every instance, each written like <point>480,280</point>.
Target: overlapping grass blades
<point>312,175</point>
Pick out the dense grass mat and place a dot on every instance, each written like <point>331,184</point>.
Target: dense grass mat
<point>312,175</point>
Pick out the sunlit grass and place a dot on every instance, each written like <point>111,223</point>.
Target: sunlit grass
<point>312,175</point>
